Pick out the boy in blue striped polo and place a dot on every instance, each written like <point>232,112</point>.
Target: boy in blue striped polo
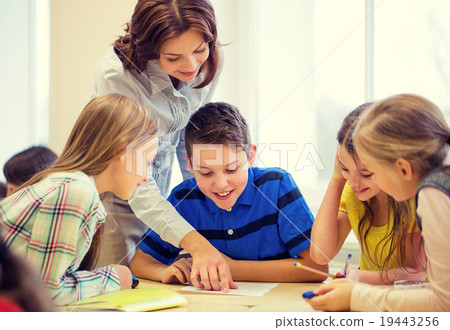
<point>256,217</point>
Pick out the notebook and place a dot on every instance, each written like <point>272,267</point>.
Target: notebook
<point>132,300</point>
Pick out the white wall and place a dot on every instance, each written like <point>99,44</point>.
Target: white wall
<point>81,32</point>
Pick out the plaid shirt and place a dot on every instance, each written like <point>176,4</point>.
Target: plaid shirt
<point>51,224</point>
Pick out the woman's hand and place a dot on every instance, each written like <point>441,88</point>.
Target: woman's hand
<point>178,272</point>
<point>334,296</point>
<point>209,268</point>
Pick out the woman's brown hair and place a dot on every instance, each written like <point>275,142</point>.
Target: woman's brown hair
<point>156,21</point>
<point>394,240</point>
<point>104,128</point>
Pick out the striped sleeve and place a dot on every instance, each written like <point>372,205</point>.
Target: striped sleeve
<point>295,219</point>
<point>153,245</point>
<point>61,235</point>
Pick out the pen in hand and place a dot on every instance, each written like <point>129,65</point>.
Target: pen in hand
<point>308,295</point>
<point>346,264</point>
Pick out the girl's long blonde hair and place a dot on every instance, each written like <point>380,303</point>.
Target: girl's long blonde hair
<point>404,126</point>
<point>105,127</point>
<point>393,243</point>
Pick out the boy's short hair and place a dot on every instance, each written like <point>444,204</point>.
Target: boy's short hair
<point>217,123</point>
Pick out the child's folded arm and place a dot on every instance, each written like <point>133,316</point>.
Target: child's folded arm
<point>145,266</point>
<point>387,277</point>
<point>79,285</point>
<point>282,270</point>
<point>413,271</point>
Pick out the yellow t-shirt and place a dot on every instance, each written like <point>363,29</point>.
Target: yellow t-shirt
<point>354,208</point>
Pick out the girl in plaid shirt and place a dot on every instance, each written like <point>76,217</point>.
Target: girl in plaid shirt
<point>54,220</point>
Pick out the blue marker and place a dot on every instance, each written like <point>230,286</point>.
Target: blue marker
<point>346,264</point>
<point>308,295</point>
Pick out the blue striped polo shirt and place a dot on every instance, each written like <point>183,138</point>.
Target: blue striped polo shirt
<point>270,220</point>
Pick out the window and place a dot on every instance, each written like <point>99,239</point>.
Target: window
<point>311,70</point>
<point>24,87</point>
<point>296,68</point>
<point>411,50</point>
<point>302,71</point>
<point>299,67</point>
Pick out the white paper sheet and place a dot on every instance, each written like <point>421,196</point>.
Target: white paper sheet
<point>245,289</point>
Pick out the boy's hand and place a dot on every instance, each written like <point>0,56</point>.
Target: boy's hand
<point>178,272</point>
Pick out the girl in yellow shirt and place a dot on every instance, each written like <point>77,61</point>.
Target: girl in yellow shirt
<point>385,229</point>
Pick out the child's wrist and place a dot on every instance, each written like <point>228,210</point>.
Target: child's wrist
<point>195,244</point>
<point>338,180</point>
<point>191,242</point>
<point>161,273</point>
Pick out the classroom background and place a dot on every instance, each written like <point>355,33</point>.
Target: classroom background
<point>295,68</point>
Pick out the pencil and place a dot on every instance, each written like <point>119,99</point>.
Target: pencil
<point>298,265</point>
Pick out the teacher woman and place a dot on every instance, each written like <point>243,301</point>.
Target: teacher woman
<point>169,61</point>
